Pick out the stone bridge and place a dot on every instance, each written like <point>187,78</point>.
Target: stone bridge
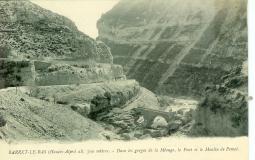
<point>150,114</point>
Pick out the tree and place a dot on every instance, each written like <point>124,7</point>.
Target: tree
<point>18,82</point>
<point>16,77</point>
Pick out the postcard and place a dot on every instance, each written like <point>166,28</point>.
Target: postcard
<point>124,79</point>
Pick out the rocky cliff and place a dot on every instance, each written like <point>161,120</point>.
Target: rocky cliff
<point>176,47</point>
<point>39,47</point>
<point>29,31</point>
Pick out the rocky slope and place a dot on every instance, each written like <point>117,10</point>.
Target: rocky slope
<point>224,106</point>
<point>29,118</point>
<point>39,47</point>
<point>70,112</point>
<point>176,47</point>
<point>25,29</point>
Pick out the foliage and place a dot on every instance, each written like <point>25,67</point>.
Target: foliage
<point>237,109</point>
<point>215,103</point>
<point>2,121</point>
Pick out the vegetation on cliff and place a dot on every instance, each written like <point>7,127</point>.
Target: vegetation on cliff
<point>224,106</point>
<point>35,33</point>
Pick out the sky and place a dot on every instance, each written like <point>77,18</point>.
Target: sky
<point>84,13</point>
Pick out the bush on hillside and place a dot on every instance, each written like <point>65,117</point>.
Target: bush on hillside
<point>215,103</point>
<point>2,121</point>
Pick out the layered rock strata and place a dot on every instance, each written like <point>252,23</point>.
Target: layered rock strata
<point>176,47</point>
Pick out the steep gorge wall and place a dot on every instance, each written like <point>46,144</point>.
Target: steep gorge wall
<point>39,47</point>
<point>176,47</point>
<point>29,31</point>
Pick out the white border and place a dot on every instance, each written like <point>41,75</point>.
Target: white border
<point>251,43</point>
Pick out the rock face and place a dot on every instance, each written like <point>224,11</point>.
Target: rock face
<point>176,47</point>
<point>43,73</point>
<point>35,119</point>
<point>29,31</point>
<point>38,47</point>
<point>99,96</point>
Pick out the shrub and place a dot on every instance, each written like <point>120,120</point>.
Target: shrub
<point>238,109</point>
<point>215,102</point>
<point>2,121</point>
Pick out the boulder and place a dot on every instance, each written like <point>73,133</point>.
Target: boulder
<point>159,122</point>
<point>140,120</point>
<point>83,109</point>
<point>138,134</point>
<point>117,110</point>
<point>126,136</point>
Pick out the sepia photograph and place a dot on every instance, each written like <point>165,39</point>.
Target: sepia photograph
<point>123,70</point>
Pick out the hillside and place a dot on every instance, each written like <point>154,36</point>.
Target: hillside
<point>32,32</point>
<point>29,118</point>
<point>176,47</point>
